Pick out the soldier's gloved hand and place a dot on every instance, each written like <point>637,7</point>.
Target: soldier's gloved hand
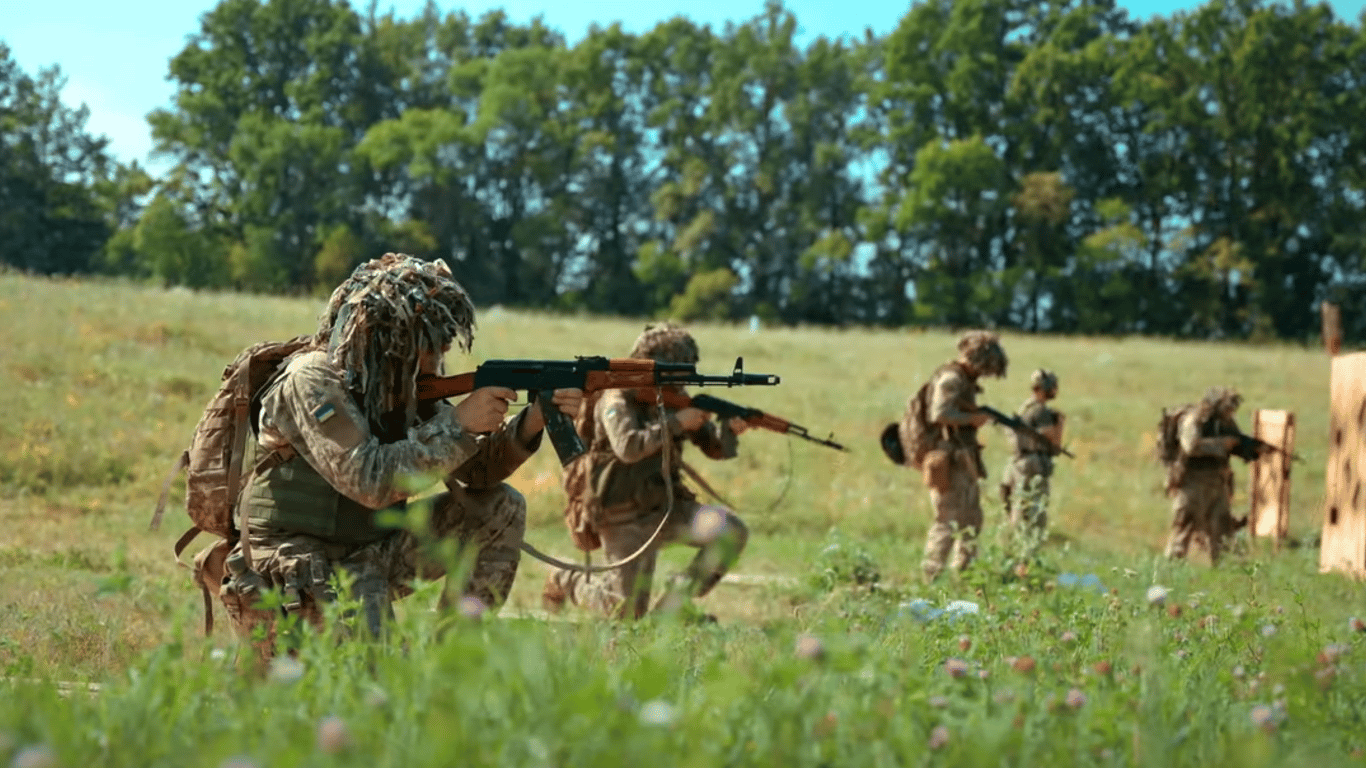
<point>484,409</point>
<point>690,419</point>
<point>978,418</point>
<point>737,425</point>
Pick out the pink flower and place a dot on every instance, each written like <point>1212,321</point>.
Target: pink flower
<point>939,737</point>
<point>956,667</point>
<point>332,735</point>
<point>1075,698</point>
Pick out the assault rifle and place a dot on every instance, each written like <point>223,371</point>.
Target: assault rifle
<point>1250,448</point>
<point>752,416</point>
<point>542,377</point>
<point>1023,428</point>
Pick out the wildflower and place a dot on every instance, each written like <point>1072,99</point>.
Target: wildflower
<point>1174,610</point>
<point>218,654</point>
<point>1181,653</point>
<point>1003,697</point>
<point>1157,595</point>
<point>658,712</point>
<point>1268,630</point>
<point>939,737</point>
<point>825,726</point>
<point>1024,664</point>
<point>1324,677</point>
<point>1103,668</point>
<point>809,647</point>
<point>1069,636</point>
<point>1264,717</point>
<point>1356,625</point>
<point>286,669</point>
<point>983,674</point>
<point>1331,653</point>
<point>472,607</point>
<point>40,756</point>
<point>964,643</point>
<point>1238,672</point>
<point>938,702</point>
<point>956,667</point>
<point>1075,698</point>
<point>332,736</point>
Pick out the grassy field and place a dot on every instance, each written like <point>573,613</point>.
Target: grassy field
<point>1253,663</point>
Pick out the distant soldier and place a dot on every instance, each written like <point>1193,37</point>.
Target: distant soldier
<point>1195,443</point>
<point>1024,483</point>
<point>618,495</point>
<point>939,436</point>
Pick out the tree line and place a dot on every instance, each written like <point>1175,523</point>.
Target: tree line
<point>1047,166</point>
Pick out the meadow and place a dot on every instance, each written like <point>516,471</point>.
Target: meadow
<point>1100,653</point>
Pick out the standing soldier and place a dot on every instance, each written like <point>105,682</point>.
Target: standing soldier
<point>939,435</point>
<point>349,437</point>
<point>625,487</point>
<point>1195,443</point>
<point>1024,484</point>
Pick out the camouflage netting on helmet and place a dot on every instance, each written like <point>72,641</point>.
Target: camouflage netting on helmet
<point>982,350</point>
<point>1218,401</point>
<point>1043,379</point>
<point>666,343</point>
<point>379,321</point>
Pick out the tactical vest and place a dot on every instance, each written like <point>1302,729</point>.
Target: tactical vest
<point>293,497</point>
<point>1211,428</point>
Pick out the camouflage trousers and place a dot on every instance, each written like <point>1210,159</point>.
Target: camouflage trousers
<point>488,525</point>
<point>1200,511</point>
<point>1024,489</point>
<point>718,534</point>
<point>957,521</point>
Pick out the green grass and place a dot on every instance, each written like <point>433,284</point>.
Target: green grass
<point>101,384</point>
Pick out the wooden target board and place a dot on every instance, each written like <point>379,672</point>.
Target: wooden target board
<point>1269,477</point>
<point>1344,514</point>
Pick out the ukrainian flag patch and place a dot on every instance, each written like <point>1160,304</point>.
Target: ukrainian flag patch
<point>324,412</point>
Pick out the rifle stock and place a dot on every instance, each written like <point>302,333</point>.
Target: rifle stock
<point>1020,426</point>
<point>542,377</point>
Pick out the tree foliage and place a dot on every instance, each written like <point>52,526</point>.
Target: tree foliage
<point>1051,166</point>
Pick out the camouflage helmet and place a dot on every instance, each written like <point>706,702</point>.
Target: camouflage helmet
<point>982,350</point>
<point>666,343</point>
<point>1220,400</point>
<point>1043,380</point>
<point>381,319</point>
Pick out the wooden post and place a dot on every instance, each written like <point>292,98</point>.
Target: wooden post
<point>1269,477</point>
<point>1332,327</point>
<point>1344,519</point>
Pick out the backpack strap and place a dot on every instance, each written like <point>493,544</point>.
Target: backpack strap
<point>180,464</point>
<point>241,406</point>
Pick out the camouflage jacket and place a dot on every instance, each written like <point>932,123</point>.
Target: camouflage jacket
<point>952,399</point>
<point>1202,443</point>
<point>309,409</point>
<point>626,449</point>
<point>1040,416</point>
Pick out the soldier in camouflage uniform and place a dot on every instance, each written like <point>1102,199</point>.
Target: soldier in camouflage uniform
<point>347,437</point>
<point>626,498</point>
<point>1024,483</point>
<point>953,466</point>
<point>1199,480</point>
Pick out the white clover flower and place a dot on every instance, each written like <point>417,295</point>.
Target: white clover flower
<point>40,756</point>
<point>218,654</point>
<point>1268,630</point>
<point>956,667</point>
<point>472,607</point>
<point>658,712</point>
<point>286,669</point>
<point>1157,594</point>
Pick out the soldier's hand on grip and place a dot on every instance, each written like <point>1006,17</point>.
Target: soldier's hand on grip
<point>483,409</point>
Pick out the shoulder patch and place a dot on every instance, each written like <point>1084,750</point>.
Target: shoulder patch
<point>324,412</point>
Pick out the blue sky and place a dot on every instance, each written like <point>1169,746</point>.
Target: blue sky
<point>115,55</point>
